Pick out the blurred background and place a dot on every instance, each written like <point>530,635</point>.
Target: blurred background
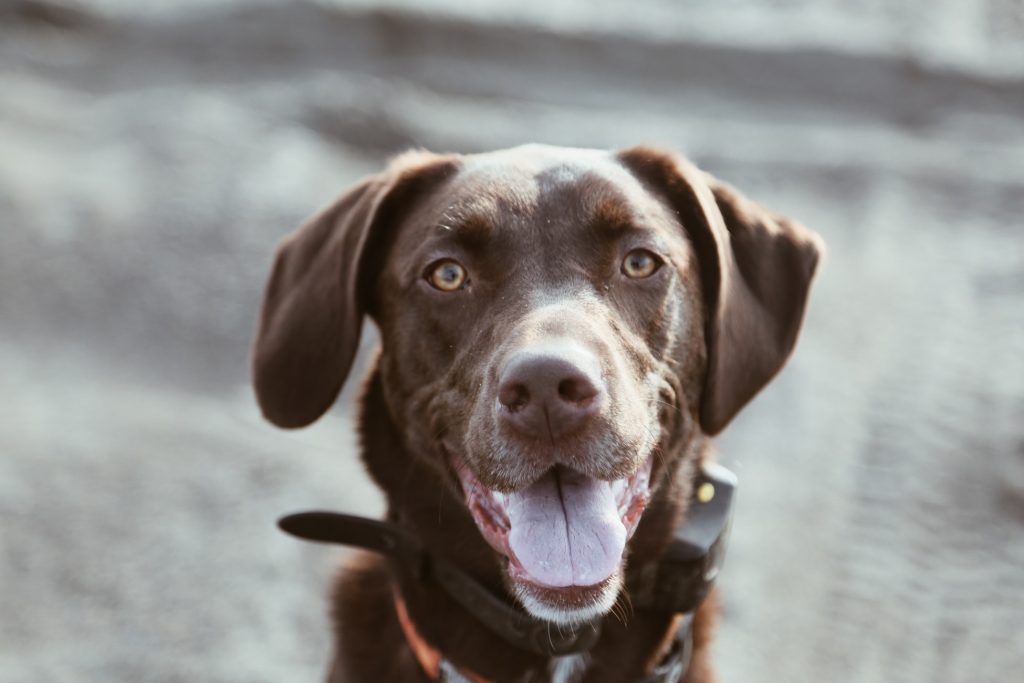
<point>153,153</point>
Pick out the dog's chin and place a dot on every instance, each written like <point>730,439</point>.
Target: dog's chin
<point>562,538</point>
<point>568,606</point>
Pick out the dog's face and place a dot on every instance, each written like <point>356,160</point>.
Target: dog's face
<point>541,314</point>
<point>555,325</point>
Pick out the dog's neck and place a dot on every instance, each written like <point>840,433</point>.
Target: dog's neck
<point>632,640</point>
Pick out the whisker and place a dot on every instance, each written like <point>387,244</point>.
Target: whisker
<point>658,453</point>
<point>662,402</point>
<point>627,601</point>
<point>619,609</point>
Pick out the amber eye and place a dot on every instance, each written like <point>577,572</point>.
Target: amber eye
<point>640,263</point>
<point>446,275</point>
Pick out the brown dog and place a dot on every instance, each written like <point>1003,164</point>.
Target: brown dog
<point>562,330</point>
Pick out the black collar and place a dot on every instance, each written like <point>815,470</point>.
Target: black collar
<point>677,583</point>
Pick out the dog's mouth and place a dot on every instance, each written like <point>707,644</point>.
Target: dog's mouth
<point>564,535</point>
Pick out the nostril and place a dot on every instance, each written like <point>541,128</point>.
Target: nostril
<point>514,396</point>
<point>576,390</point>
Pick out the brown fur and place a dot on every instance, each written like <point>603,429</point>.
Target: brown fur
<point>681,352</point>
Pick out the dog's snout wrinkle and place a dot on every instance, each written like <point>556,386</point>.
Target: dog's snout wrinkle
<point>549,392</point>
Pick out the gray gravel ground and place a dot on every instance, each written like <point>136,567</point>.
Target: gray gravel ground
<point>149,163</point>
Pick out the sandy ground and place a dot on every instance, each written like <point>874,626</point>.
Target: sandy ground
<point>148,166</point>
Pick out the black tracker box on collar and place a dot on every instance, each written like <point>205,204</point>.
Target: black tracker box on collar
<point>677,582</point>
<point>684,575</point>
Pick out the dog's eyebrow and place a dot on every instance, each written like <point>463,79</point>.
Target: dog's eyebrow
<point>471,231</point>
<point>613,218</point>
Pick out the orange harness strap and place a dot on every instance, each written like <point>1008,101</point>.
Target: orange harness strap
<point>429,657</point>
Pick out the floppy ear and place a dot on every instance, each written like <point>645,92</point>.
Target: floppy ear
<point>756,270</point>
<point>316,296</point>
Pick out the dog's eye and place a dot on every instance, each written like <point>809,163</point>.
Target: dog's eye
<point>640,263</point>
<point>446,275</point>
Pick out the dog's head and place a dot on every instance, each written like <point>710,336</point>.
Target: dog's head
<point>556,324</point>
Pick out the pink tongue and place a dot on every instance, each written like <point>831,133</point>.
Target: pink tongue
<point>572,539</point>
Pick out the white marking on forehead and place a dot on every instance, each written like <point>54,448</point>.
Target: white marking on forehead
<point>563,164</point>
<point>555,165</point>
<point>493,183</point>
<point>563,173</point>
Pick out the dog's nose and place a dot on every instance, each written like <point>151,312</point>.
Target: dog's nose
<point>548,394</point>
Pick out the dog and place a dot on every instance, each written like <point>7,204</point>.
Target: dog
<point>562,333</point>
